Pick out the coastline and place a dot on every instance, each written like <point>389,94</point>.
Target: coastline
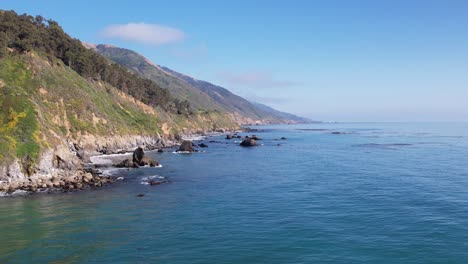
<point>88,163</point>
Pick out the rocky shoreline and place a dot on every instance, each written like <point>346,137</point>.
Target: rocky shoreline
<point>70,167</point>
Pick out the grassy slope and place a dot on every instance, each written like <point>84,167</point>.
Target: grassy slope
<point>41,104</point>
<point>178,88</point>
<point>201,94</point>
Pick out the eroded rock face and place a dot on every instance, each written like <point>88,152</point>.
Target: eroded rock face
<point>186,146</point>
<point>248,142</point>
<point>88,145</point>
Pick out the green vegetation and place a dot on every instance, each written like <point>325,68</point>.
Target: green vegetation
<point>25,33</point>
<point>54,90</point>
<point>181,90</point>
<point>203,96</point>
<point>18,121</point>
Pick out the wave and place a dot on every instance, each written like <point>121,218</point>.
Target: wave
<point>154,178</point>
<point>106,159</point>
<point>15,193</point>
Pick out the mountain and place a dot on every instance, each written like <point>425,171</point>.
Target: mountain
<point>145,68</point>
<point>61,103</point>
<point>284,115</point>
<point>201,94</point>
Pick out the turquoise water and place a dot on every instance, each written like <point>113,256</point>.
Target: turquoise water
<point>384,193</point>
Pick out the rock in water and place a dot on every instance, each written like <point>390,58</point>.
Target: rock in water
<point>139,159</point>
<point>248,142</point>
<point>127,163</point>
<point>228,136</point>
<point>283,138</point>
<point>138,155</point>
<point>148,162</point>
<point>202,145</point>
<point>186,146</point>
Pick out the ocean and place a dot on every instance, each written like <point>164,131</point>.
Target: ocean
<point>329,193</point>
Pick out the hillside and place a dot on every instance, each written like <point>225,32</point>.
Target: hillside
<point>284,115</point>
<point>145,68</point>
<point>238,104</point>
<point>61,103</point>
<point>201,94</point>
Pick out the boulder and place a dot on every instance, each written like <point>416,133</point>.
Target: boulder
<point>186,146</point>
<point>146,161</point>
<point>156,182</point>
<point>228,136</point>
<point>248,142</point>
<point>88,177</point>
<point>203,145</point>
<point>138,155</point>
<point>127,163</point>
<point>138,159</point>
<point>160,150</point>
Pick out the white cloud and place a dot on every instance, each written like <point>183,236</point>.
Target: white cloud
<point>255,80</point>
<point>150,34</point>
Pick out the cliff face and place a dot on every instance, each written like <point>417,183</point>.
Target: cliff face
<point>52,120</point>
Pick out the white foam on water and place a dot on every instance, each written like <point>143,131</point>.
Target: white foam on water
<point>146,180</point>
<point>181,152</point>
<point>148,166</point>
<point>19,192</point>
<point>106,159</point>
<point>193,137</point>
<point>111,171</point>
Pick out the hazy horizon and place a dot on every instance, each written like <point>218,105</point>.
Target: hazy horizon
<point>325,60</point>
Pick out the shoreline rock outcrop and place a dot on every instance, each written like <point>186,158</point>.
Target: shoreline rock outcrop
<point>186,146</point>
<point>249,142</point>
<point>138,159</point>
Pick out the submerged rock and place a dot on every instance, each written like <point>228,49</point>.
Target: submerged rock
<point>186,146</point>
<point>283,138</point>
<point>248,142</point>
<point>203,145</point>
<point>228,136</point>
<point>339,133</point>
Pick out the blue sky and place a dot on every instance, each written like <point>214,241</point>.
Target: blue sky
<point>328,60</point>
